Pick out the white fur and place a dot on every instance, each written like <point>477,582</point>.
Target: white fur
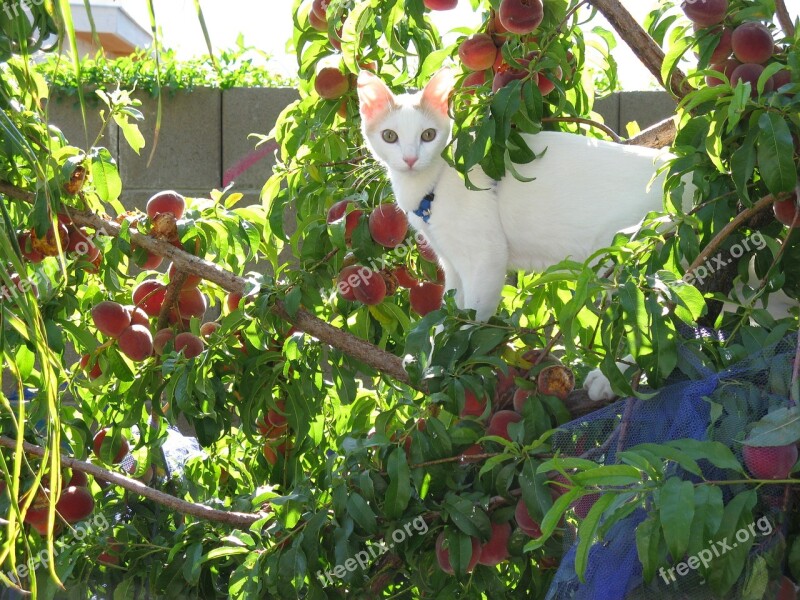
<point>584,192</point>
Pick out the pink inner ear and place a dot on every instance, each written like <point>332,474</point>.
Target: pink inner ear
<point>373,96</point>
<point>437,93</point>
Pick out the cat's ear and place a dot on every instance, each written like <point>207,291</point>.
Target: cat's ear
<point>436,94</point>
<point>374,97</point>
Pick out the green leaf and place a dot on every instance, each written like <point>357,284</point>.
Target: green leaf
<point>708,509</point>
<point>794,559</point>
<point>775,151</point>
<point>399,491</point>
<point>716,453</point>
<point>131,132</point>
<point>361,512</point>
<point>781,427</point>
<point>648,536</point>
<point>192,563</point>
<point>676,511</point>
<point>467,516</point>
<point>105,176</point>
<point>608,475</point>
<point>588,531</point>
<point>755,586</point>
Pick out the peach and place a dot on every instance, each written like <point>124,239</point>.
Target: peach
<point>495,550</point>
<point>705,12</point>
<point>477,52</point>
<point>440,4</point>
<point>150,262</point>
<point>189,343</point>
<point>26,247</point>
<point>372,289</point>
<point>191,303</point>
<point>117,448</point>
<point>471,451</point>
<point>168,201</point>
<point>786,211</point>
<point>521,397</point>
<point>192,281</point>
<point>110,318</point>
<point>349,278</point>
<point>425,249</point>
<point>500,422</point>
<point>781,78</point>
<point>426,297</point>
<point>338,210</point>
<point>138,316</point>
<point>473,407</point>
<point>546,84</point>
<point>95,370</point>
<point>506,75</point>
<point>584,505</point>
<point>136,343</point>
<point>525,522</point>
<point>80,243</point>
<point>48,245</point>
<point>404,278</point>
<point>149,296</point>
<point>726,67</point>
<point>276,416</point>
<point>443,554</point>
<point>78,478</point>
<point>556,380</point>
<point>752,43</point>
<point>316,22</point>
<point>320,8</point>
<point>75,504</point>
<point>750,73</point>
<point>161,339</point>
<point>770,462</point>
<point>331,84</point>
<point>521,16</point>
<point>388,225</point>
<point>207,329</point>
<point>473,80</point>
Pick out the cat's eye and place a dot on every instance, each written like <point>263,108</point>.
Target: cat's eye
<point>389,136</point>
<point>428,135</point>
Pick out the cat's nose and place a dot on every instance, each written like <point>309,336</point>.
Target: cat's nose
<point>410,161</point>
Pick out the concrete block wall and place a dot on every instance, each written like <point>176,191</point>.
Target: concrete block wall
<point>204,138</point>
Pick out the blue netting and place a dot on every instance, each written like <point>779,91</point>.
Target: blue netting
<point>679,411</point>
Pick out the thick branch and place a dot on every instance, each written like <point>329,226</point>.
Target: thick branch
<point>644,46</point>
<point>784,18</point>
<point>182,506</point>
<point>353,346</point>
<point>656,136</point>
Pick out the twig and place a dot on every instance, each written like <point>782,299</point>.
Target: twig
<point>182,506</point>
<point>656,136</point>
<point>784,18</point>
<point>795,373</point>
<point>578,402</point>
<point>601,126</point>
<point>714,244</point>
<point>171,298</point>
<point>644,46</point>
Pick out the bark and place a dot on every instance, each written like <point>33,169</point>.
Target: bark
<point>644,46</point>
<point>182,506</point>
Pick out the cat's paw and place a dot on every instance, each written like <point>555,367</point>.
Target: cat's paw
<point>598,387</point>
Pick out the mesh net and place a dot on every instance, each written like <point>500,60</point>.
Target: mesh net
<point>710,406</point>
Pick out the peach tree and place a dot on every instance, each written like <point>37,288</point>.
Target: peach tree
<point>358,434</point>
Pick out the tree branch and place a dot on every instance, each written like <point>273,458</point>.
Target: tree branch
<point>656,136</point>
<point>182,506</point>
<point>715,243</point>
<point>784,18</point>
<point>353,346</point>
<point>644,46</point>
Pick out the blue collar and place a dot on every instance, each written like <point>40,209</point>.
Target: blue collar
<point>424,209</point>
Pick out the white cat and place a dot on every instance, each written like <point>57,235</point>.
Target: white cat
<point>585,191</point>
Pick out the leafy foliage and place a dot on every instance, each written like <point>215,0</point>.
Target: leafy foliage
<point>354,473</point>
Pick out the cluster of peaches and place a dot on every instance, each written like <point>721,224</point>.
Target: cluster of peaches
<point>388,226</point>
<point>551,378</point>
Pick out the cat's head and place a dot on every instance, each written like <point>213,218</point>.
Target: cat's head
<point>406,132</point>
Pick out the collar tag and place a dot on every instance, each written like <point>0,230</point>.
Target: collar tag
<point>424,209</point>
